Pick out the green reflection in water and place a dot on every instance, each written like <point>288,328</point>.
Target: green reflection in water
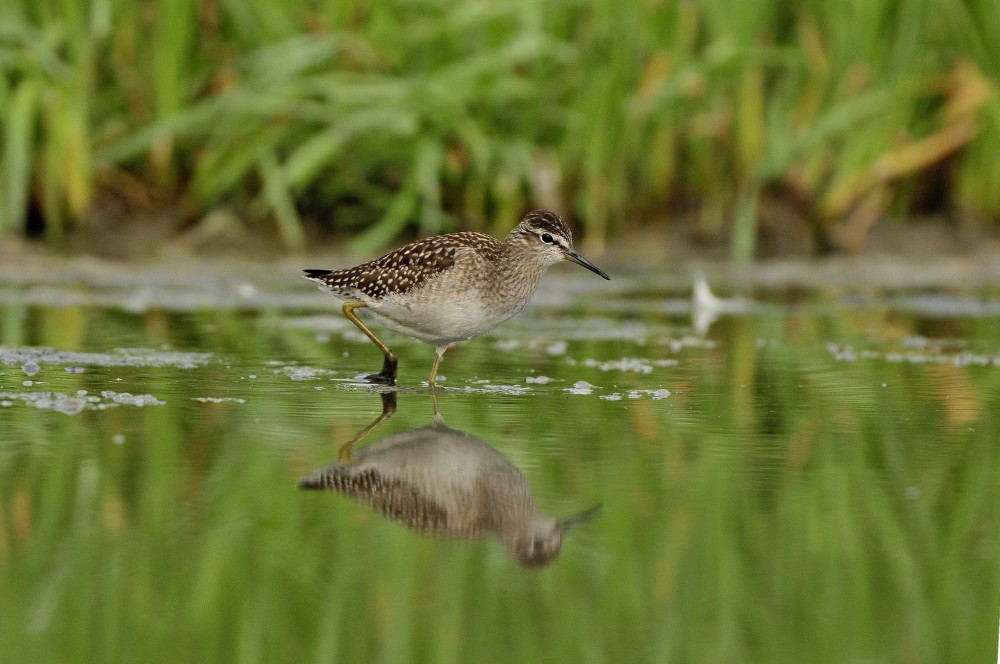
<point>814,488</point>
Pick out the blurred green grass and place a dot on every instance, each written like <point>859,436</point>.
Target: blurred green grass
<point>779,506</point>
<point>372,117</point>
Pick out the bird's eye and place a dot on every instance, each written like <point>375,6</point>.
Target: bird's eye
<point>547,239</point>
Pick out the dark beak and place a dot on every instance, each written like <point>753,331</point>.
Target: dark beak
<point>574,257</point>
<point>568,524</point>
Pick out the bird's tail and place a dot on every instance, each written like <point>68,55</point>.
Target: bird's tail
<point>332,478</point>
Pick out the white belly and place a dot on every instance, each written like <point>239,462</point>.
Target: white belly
<point>443,321</point>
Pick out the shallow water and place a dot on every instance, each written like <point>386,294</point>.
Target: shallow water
<point>816,477</point>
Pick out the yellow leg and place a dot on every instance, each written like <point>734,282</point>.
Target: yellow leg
<point>388,373</point>
<point>437,411</point>
<point>388,410</point>
<point>438,354</point>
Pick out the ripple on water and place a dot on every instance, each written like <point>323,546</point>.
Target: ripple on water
<point>32,359</point>
<point>916,351</point>
<point>630,364</point>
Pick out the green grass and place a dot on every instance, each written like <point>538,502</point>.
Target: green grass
<point>371,118</point>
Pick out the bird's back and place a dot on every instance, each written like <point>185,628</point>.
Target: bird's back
<point>406,269</point>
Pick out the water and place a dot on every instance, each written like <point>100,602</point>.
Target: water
<point>815,478</point>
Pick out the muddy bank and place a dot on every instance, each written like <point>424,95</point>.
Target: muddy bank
<point>897,256</point>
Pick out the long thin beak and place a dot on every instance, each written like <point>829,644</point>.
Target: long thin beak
<point>567,524</point>
<point>574,257</point>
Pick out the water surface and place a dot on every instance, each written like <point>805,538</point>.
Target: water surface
<point>814,478</point>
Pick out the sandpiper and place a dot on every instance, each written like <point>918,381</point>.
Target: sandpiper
<point>453,287</point>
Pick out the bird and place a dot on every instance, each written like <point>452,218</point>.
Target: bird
<point>453,287</point>
<point>443,482</point>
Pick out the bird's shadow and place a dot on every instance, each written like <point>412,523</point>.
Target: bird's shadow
<point>446,483</point>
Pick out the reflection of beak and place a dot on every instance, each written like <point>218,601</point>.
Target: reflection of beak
<point>574,257</point>
<point>572,522</point>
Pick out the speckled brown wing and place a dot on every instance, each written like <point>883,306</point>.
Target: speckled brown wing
<point>405,268</point>
<point>392,497</point>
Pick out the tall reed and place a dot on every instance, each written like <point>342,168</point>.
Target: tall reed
<point>371,119</point>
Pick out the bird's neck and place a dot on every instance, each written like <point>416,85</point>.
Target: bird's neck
<point>519,268</point>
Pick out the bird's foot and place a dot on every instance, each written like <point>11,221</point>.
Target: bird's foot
<point>388,374</point>
<point>380,378</point>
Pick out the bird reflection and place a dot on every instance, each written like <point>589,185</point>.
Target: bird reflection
<point>447,483</point>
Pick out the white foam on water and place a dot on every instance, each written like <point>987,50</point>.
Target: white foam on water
<point>74,404</point>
